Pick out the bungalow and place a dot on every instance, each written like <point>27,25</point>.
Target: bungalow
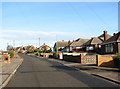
<point>112,45</point>
<point>60,45</point>
<point>76,45</point>
<point>94,44</point>
<point>17,49</point>
<point>30,48</point>
<point>45,47</point>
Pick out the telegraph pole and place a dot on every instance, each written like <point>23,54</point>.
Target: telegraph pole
<point>14,44</point>
<point>39,41</point>
<point>7,45</point>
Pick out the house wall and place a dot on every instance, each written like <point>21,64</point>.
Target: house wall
<point>116,49</point>
<point>103,49</point>
<point>71,48</point>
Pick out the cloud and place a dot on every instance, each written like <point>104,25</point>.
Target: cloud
<point>31,35</point>
<point>25,37</point>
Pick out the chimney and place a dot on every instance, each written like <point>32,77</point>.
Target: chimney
<point>114,34</point>
<point>62,40</point>
<point>105,35</point>
<point>69,42</point>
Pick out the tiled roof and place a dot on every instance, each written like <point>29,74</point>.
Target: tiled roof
<point>62,43</point>
<point>44,45</point>
<point>79,42</point>
<point>17,48</point>
<point>102,36</point>
<point>116,37</point>
<point>94,40</point>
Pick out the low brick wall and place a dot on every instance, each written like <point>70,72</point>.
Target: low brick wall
<point>47,55</point>
<point>6,56</point>
<point>105,60</point>
<point>89,59</point>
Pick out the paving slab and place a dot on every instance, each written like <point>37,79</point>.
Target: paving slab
<point>8,69</point>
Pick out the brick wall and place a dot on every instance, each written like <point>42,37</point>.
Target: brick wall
<point>6,56</point>
<point>105,60</point>
<point>46,54</point>
<point>90,59</point>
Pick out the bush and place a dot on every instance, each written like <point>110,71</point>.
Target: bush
<point>36,54</point>
<point>36,50</point>
<point>54,54</point>
<point>117,59</point>
<point>31,51</point>
<point>11,54</point>
<point>40,51</point>
<point>6,58</point>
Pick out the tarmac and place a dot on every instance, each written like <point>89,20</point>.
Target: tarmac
<point>111,74</point>
<point>7,70</point>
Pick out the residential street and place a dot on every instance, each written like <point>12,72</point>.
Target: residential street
<point>41,72</point>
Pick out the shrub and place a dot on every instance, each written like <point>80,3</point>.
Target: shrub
<point>54,54</point>
<point>36,54</point>
<point>11,54</point>
<point>31,51</point>
<point>117,59</point>
<point>40,51</point>
<point>36,50</point>
<point>6,58</point>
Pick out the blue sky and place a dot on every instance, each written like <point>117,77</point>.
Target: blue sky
<point>25,22</point>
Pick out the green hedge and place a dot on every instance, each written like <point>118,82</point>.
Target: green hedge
<point>117,59</point>
<point>11,54</point>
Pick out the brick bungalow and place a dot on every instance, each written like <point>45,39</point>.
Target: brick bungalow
<point>44,47</point>
<point>76,45</point>
<point>112,45</point>
<point>60,45</point>
<point>94,44</point>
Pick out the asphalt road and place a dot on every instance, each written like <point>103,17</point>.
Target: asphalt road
<point>41,72</point>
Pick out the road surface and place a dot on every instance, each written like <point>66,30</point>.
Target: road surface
<point>41,72</point>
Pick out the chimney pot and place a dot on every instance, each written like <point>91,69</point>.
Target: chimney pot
<point>105,35</point>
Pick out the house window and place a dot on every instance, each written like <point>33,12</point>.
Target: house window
<point>89,48</point>
<point>109,48</point>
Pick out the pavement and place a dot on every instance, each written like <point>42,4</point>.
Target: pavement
<point>7,70</point>
<point>111,74</point>
<point>43,72</point>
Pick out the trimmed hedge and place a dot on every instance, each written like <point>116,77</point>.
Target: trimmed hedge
<point>11,54</point>
<point>117,59</point>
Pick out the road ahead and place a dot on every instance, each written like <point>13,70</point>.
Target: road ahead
<point>41,72</point>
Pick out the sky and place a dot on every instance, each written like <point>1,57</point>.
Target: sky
<point>25,22</point>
